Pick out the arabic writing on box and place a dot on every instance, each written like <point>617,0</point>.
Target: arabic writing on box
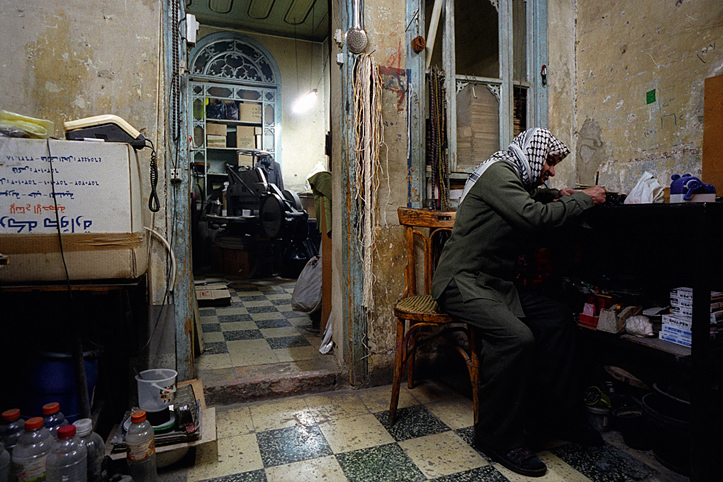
<point>35,184</point>
<point>67,224</point>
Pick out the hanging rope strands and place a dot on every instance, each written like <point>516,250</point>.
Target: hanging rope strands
<point>437,145</point>
<point>369,141</point>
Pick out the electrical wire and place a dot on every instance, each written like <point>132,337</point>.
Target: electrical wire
<point>170,252</point>
<point>153,203</point>
<point>78,355</point>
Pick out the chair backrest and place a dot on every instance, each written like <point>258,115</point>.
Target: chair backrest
<point>432,228</point>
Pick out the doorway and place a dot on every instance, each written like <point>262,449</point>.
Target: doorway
<point>255,343</point>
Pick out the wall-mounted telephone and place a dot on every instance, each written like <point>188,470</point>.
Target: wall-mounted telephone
<point>111,128</point>
<point>108,127</point>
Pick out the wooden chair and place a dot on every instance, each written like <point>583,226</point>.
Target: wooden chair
<point>417,312</point>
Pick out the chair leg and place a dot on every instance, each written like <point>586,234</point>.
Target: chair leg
<point>474,374</point>
<point>410,351</point>
<point>399,353</point>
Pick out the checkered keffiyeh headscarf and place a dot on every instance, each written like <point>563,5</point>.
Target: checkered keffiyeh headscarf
<point>528,152</point>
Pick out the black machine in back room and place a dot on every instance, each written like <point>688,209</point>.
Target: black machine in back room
<point>256,216</point>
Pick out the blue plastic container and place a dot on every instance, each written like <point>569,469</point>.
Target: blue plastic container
<point>51,378</point>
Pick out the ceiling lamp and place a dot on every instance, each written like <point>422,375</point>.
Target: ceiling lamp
<point>306,102</point>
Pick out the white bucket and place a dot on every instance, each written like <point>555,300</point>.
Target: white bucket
<point>156,388</point>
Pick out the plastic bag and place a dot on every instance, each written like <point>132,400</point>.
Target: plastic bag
<point>16,125</point>
<point>639,326</point>
<point>306,297</point>
<point>648,190</point>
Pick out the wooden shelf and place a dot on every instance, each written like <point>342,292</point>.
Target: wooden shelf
<point>232,122</point>
<point>653,343</point>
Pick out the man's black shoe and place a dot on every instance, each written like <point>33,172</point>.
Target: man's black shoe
<point>519,459</point>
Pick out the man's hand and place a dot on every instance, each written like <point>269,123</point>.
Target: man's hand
<point>597,193</point>
<point>565,192</point>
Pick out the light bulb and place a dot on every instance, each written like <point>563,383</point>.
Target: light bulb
<point>306,102</point>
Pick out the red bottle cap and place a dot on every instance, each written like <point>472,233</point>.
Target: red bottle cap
<point>34,423</point>
<point>11,415</point>
<point>66,431</point>
<point>138,416</point>
<point>51,408</point>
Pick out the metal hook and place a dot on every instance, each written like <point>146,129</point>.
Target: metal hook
<point>543,74</point>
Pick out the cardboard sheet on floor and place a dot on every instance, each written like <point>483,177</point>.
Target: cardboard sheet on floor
<point>213,296</point>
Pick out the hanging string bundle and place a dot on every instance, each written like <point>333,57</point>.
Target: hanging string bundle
<point>437,142</point>
<point>369,129</point>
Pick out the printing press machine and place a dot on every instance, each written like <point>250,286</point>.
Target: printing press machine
<point>265,221</point>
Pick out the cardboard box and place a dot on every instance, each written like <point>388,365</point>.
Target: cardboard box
<point>249,112</point>
<point>215,297</point>
<point>216,129</point>
<point>215,141</point>
<point>246,160</point>
<point>245,137</point>
<point>231,261</point>
<point>99,207</point>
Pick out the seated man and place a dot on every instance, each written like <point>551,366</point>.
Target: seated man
<point>525,336</point>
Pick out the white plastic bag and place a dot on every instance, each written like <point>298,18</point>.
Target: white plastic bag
<point>647,190</point>
<point>306,297</point>
<point>639,326</point>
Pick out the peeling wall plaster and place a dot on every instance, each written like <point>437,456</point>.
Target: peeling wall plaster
<point>385,24</point>
<point>626,51</point>
<point>67,62</point>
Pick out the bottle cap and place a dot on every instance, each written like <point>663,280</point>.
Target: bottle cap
<point>51,408</point>
<point>11,415</point>
<point>83,426</point>
<point>66,431</point>
<point>34,423</point>
<point>138,416</point>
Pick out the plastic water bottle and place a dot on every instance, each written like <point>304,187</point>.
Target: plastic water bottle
<point>94,445</point>
<point>141,449</point>
<point>53,418</point>
<point>68,461</point>
<point>31,451</point>
<point>11,427</point>
<point>4,464</point>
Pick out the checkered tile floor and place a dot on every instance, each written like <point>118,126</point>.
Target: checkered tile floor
<point>259,327</point>
<point>344,435</point>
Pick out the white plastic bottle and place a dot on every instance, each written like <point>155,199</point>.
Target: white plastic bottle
<point>53,418</point>
<point>11,428</point>
<point>30,453</point>
<point>68,460</point>
<point>94,445</point>
<point>4,464</point>
<point>141,449</point>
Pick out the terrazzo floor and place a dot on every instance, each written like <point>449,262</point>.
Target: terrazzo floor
<point>259,327</point>
<point>344,435</point>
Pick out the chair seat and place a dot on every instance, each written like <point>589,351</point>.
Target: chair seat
<point>420,308</point>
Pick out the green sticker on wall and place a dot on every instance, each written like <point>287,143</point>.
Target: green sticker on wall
<point>650,96</point>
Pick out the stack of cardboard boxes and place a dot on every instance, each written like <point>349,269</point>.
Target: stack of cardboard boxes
<point>677,325</point>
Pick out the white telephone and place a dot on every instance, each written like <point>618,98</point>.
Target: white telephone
<point>108,127</point>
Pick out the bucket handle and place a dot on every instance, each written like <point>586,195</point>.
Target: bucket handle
<point>163,389</point>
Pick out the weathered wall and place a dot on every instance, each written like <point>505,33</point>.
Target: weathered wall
<point>63,61</point>
<point>561,84</point>
<point>385,25</point>
<point>624,51</point>
<point>303,66</point>
<point>67,61</point>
